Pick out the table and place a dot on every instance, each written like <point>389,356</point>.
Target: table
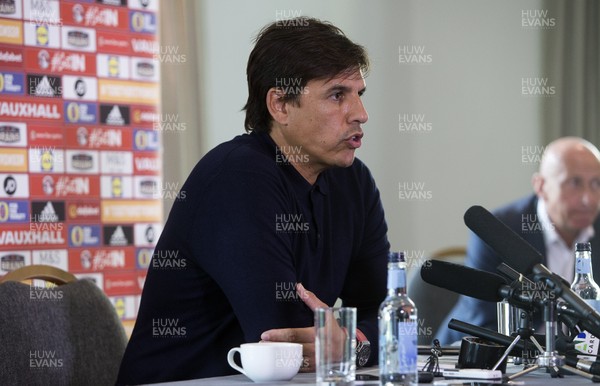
<point>537,378</point>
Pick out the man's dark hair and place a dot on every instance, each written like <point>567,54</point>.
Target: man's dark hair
<point>290,53</point>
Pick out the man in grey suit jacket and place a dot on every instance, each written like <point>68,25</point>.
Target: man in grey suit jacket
<point>563,211</point>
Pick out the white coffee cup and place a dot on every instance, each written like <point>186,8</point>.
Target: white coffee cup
<point>268,361</point>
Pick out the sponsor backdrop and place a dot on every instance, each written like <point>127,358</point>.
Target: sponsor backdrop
<point>80,178</point>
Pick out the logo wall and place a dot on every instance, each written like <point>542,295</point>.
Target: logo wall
<point>79,158</point>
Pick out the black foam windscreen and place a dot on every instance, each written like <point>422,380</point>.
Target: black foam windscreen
<point>467,281</point>
<point>512,248</point>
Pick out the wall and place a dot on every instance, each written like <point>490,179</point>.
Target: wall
<point>480,137</point>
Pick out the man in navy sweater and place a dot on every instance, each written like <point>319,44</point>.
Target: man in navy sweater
<point>286,204</point>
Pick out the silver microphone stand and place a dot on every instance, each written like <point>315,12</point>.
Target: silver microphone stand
<point>549,357</point>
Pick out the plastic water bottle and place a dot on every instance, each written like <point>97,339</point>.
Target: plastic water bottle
<point>397,329</point>
<point>584,284</point>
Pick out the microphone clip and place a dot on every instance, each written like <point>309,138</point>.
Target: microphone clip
<point>433,362</point>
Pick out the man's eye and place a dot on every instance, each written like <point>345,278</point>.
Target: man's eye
<point>337,96</point>
<point>574,183</point>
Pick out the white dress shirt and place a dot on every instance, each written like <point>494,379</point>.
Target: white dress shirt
<point>560,257</point>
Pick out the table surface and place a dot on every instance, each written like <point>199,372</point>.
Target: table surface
<point>536,378</point>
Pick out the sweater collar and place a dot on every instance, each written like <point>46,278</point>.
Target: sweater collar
<point>321,185</point>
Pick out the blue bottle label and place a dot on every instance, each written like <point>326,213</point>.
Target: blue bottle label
<point>407,347</point>
<point>583,265</point>
<point>396,278</point>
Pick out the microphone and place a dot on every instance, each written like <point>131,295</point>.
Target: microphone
<point>592,367</point>
<point>467,281</point>
<point>520,255</point>
<point>512,248</point>
<point>463,280</point>
<point>491,336</point>
<point>522,293</point>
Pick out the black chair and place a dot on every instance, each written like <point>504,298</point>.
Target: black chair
<point>65,334</point>
<point>433,303</point>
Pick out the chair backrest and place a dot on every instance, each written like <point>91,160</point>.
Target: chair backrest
<point>68,334</point>
<point>42,272</point>
<point>434,303</point>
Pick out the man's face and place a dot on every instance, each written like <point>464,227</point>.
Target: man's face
<point>572,193</point>
<point>325,126</point>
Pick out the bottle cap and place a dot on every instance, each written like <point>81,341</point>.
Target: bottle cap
<point>396,257</point>
<point>583,247</point>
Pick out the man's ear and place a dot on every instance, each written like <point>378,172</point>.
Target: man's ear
<point>277,105</point>
<point>537,181</point>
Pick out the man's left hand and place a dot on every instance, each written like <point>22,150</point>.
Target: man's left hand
<point>304,336</point>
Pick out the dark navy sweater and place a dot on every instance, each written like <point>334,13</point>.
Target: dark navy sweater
<point>247,227</point>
